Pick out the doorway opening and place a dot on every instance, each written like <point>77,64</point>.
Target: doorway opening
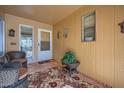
<point>26,41</point>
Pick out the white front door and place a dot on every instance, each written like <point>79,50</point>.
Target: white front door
<point>44,45</point>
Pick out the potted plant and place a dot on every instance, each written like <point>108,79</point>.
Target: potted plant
<point>70,60</point>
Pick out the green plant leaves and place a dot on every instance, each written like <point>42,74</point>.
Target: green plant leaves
<point>69,58</point>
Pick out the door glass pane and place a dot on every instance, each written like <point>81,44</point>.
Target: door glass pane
<point>45,41</point>
<point>1,37</point>
<point>26,41</point>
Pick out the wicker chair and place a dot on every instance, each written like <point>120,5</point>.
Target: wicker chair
<point>17,56</point>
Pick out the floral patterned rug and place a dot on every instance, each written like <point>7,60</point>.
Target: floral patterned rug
<point>53,78</point>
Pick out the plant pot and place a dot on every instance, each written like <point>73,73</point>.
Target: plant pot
<point>74,65</point>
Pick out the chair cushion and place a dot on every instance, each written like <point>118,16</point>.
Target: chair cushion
<point>8,75</point>
<point>11,65</point>
<point>19,60</point>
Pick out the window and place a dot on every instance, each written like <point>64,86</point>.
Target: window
<point>45,41</point>
<point>1,37</point>
<point>89,27</point>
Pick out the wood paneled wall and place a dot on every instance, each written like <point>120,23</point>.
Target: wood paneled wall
<point>119,48</point>
<point>102,59</point>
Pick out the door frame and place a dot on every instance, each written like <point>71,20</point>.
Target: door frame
<point>32,38</point>
<point>39,38</point>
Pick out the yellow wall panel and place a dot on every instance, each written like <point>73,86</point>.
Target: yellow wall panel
<point>119,48</point>
<point>102,59</point>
